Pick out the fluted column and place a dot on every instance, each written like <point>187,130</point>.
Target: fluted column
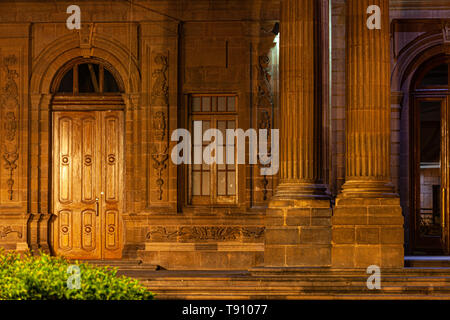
<point>367,222</point>
<point>298,220</point>
<point>300,128</point>
<point>368,102</point>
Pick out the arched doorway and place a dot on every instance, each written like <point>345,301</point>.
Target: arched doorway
<point>430,157</point>
<point>87,160</point>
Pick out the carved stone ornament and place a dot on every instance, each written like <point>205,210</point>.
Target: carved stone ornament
<point>86,35</point>
<point>160,102</point>
<point>159,125</point>
<point>160,88</point>
<point>160,165</point>
<point>265,123</point>
<point>264,106</point>
<point>4,231</point>
<point>265,95</point>
<point>9,106</point>
<point>446,32</point>
<point>214,233</point>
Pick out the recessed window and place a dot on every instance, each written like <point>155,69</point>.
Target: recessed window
<point>212,183</point>
<point>88,78</point>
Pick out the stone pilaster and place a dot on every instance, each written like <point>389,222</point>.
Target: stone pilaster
<point>298,231</point>
<point>38,222</point>
<point>367,221</point>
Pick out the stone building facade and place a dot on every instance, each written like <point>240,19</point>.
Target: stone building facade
<point>87,118</point>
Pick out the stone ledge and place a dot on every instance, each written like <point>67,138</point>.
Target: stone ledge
<point>169,246</point>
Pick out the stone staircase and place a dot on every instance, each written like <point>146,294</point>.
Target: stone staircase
<point>291,283</point>
<point>295,284</point>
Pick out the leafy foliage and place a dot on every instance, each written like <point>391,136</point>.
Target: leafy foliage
<point>27,277</point>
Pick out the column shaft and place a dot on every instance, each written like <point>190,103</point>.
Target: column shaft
<point>368,102</point>
<point>367,223</point>
<point>298,220</point>
<point>300,145</point>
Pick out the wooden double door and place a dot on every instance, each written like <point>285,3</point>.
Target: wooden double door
<point>88,184</point>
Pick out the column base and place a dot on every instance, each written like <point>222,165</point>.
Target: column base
<point>367,231</point>
<point>295,190</point>
<point>298,233</point>
<point>22,247</point>
<point>38,233</point>
<point>368,189</point>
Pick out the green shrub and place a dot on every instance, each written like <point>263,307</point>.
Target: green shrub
<point>27,277</point>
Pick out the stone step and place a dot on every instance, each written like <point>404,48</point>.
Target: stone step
<point>427,261</point>
<point>301,284</point>
<point>123,264</point>
<point>327,283</point>
<point>267,292</point>
<point>262,292</point>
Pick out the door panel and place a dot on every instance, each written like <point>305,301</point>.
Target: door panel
<point>80,171</point>
<point>112,124</point>
<point>88,231</point>
<point>89,141</point>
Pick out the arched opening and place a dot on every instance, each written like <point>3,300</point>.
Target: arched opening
<point>87,76</point>
<point>87,160</point>
<point>430,156</point>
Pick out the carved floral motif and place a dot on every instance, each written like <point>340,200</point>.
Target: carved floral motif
<point>9,105</point>
<point>159,125</point>
<point>4,231</point>
<point>160,165</point>
<point>160,89</point>
<point>215,233</point>
<point>265,95</point>
<point>160,102</point>
<point>264,106</point>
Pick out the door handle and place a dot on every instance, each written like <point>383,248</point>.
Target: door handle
<point>98,206</point>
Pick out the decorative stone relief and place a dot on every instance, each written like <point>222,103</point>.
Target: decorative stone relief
<point>9,106</point>
<point>446,32</point>
<point>264,107</point>
<point>160,88</point>
<point>160,107</point>
<point>86,35</point>
<point>159,125</point>
<point>214,233</point>
<point>160,159</point>
<point>4,231</point>
<point>265,95</point>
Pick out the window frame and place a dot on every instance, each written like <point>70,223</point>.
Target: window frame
<point>213,199</point>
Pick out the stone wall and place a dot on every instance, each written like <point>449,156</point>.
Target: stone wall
<point>162,52</point>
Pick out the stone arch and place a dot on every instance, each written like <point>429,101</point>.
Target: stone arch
<point>67,48</point>
<point>410,59</point>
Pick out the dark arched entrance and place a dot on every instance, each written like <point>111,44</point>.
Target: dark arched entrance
<point>430,157</point>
